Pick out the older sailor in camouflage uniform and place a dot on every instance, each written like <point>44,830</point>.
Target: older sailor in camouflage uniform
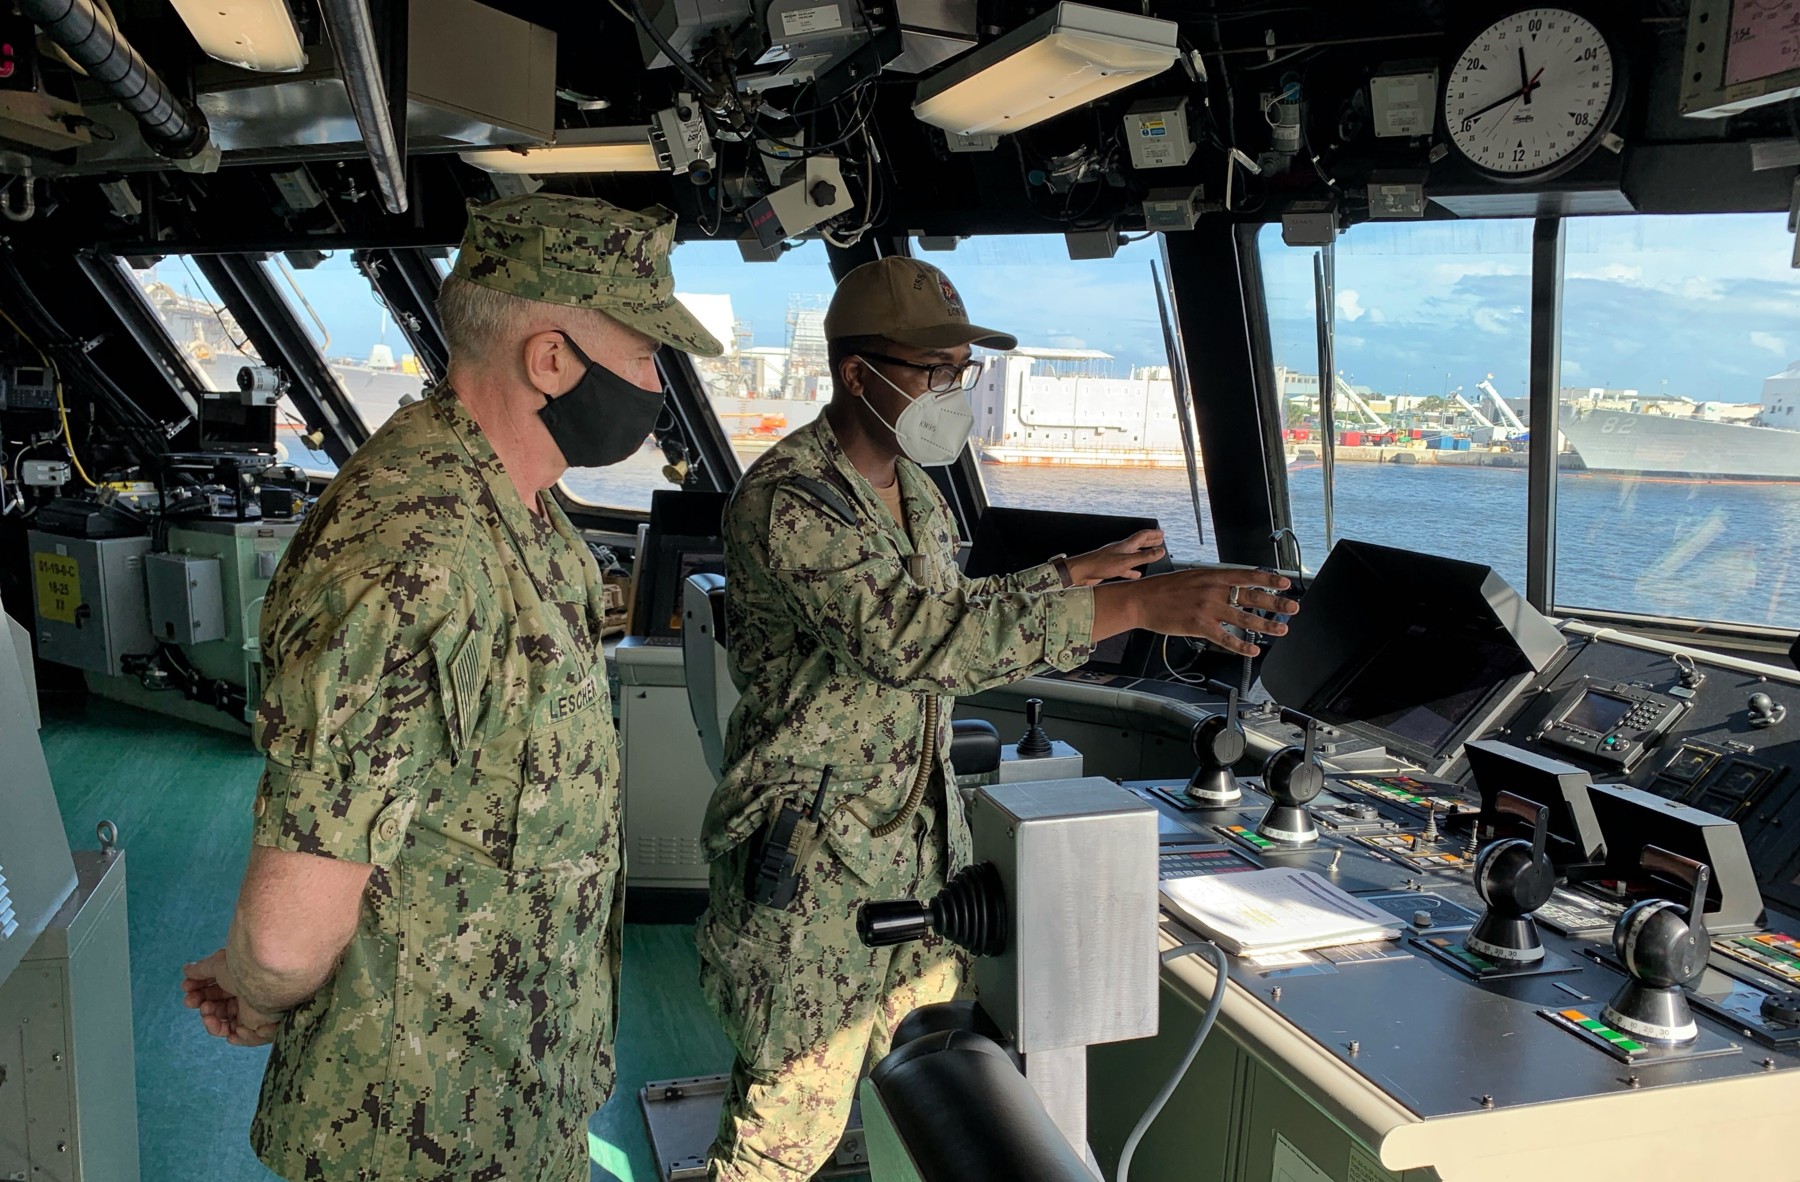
<point>429,927</point>
<point>851,632</point>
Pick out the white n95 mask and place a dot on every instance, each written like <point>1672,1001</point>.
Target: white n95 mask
<point>933,428</point>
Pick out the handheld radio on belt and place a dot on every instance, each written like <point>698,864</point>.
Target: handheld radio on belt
<point>773,877</point>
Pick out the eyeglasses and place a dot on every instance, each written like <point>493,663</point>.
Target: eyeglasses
<point>941,378</point>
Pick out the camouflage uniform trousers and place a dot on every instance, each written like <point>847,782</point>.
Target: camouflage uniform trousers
<point>807,1006</point>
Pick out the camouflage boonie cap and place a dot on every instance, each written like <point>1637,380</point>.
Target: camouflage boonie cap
<point>583,253</point>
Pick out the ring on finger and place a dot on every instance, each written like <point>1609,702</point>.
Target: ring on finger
<point>1233,600</point>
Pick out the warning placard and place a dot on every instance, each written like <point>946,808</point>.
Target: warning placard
<point>58,587</point>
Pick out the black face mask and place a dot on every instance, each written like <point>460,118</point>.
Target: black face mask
<point>603,418</point>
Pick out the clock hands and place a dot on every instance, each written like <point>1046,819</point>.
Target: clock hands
<point>1525,86</point>
<point>1524,92</point>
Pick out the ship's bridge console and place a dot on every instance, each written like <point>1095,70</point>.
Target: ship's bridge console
<point>1582,839</point>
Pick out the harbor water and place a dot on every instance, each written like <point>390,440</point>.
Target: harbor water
<point>1713,551</point>
<point>1724,551</point>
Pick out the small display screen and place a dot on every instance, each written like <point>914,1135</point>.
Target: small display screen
<point>1689,764</point>
<point>1598,712</point>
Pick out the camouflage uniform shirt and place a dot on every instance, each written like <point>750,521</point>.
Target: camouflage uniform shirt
<point>436,705</point>
<point>848,635</point>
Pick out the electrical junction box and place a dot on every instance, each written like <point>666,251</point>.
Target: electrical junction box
<point>89,595</point>
<point>44,473</point>
<point>1173,209</point>
<point>1396,196</point>
<point>187,604</point>
<point>245,555</point>
<point>1309,223</point>
<point>1092,244</point>
<point>1404,105</point>
<point>1156,133</point>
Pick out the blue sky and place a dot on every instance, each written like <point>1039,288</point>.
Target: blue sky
<point>1707,305</point>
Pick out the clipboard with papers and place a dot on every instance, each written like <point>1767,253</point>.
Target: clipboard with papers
<point>1278,910</point>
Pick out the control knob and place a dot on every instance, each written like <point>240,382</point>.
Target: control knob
<point>1292,776</point>
<point>1218,744</point>
<point>1663,947</point>
<point>1514,876</point>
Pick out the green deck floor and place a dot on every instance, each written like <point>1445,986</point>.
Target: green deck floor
<point>180,795</point>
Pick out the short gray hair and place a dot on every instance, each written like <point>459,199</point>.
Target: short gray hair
<point>477,318</point>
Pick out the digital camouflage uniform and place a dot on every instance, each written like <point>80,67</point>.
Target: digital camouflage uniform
<point>849,643</point>
<point>436,705</point>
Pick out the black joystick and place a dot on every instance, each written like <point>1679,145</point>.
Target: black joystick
<point>1514,877</point>
<point>1293,778</point>
<point>1035,744</point>
<point>1663,945</point>
<point>970,912</point>
<point>1218,743</point>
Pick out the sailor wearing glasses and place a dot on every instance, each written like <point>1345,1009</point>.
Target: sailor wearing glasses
<point>851,633</point>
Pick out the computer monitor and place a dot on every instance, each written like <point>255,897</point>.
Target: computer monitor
<point>684,538</point>
<point>1416,652</point>
<point>1010,540</point>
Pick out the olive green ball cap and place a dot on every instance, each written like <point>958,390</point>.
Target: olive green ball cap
<point>583,253</point>
<point>908,301</point>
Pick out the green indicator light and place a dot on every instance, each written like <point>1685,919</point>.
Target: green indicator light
<point>1625,1044</point>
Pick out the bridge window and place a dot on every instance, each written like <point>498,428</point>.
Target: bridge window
<point>367,352</point>
<point>771,380</point>
<point>1679,488</point>
<point>206,332</point>
<point>1082,416</point>
<point>1432,332</point>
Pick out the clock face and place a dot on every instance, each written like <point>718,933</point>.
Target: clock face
<point>1531,93</point>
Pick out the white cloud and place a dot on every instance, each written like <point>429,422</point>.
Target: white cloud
<point>1493,320</point>
<point>1700,288</point>
<point>1349,304</point>
<point>1448,273</point>
<point>1769,341</point>
<point>1614,272</point>
<point>1573,368</point>
<point>1377,316</point>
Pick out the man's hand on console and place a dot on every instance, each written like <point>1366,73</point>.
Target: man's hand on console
<point>1198,602</point>
<point>1120,560</point>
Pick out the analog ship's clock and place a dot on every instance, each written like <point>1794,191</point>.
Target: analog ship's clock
<point>1532,95</point>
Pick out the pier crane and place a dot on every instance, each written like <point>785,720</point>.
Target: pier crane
<point>1344,391</point>
<point>1515,425</point>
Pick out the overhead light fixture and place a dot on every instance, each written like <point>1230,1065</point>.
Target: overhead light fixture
<point>578,149</point>
<point>255,35</point>
<point>1072,54</point>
